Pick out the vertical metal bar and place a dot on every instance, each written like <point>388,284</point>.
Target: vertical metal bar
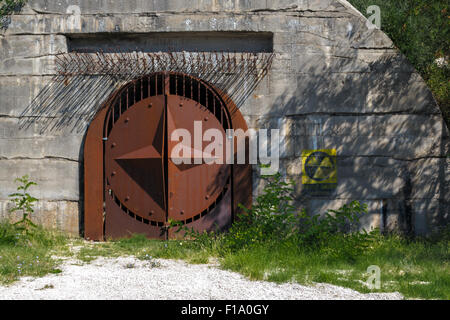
<point>206,98</point>
<point>112,111</point>
<point>192,88</point>
<point>128,102</point>
<point>107,124</point>
<point>120,107</point>
<point>149,85</point>
<point>166,82</point>
<point>121,102</point>
<point>176,84</point>
<point>142,88</point>
<point>134,96</point>
<point>165,165</point>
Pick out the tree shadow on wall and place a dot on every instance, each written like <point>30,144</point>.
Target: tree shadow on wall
<point>390,137</point>
<point>67,104</point>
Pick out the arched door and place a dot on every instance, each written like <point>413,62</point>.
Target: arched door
<point>145,185</point>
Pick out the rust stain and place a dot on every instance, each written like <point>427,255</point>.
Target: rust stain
<point>143,188</point>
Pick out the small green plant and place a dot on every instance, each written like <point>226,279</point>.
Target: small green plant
<point>202,240</point>
<point>271,218</point>
<point>151,262</point>
<point>23,202</point>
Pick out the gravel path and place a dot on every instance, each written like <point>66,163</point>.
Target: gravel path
<point>130,278</point>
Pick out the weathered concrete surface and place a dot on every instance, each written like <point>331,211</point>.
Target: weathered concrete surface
<point>17,93</point>
<point>57,178</point>
<point>57,215</point>
<point>334,83</point>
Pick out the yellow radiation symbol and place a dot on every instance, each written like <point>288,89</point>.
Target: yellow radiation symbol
<point>319,166</point>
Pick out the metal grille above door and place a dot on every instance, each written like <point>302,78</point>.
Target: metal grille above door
<point>144,187</point>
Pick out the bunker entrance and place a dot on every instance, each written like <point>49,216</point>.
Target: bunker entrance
<point>146,183</point>
<point>133,181</point>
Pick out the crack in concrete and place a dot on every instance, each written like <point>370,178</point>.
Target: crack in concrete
<point>41,158</point>
<point>362,114</point>
<point>157,14</point>
<point>391,157</point>
<point>376,48</point>
<point>44,55</point>
<point>7,116</point>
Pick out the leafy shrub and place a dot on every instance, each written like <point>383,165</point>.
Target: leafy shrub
<point>274,220</point>
<point>316,230</point>
<point>271,218</point>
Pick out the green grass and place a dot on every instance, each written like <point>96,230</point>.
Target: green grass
<point>416,268</point>
<point>28,255</point>
<point>143,248</point>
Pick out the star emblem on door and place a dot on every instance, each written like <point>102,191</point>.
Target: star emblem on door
<point>140,167</point>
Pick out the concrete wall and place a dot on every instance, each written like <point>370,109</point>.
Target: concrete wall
<point>334,83</point>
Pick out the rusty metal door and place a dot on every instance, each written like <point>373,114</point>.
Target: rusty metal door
<point>145,185</point>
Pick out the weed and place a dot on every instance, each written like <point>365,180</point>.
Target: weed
<point>24,202</point>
